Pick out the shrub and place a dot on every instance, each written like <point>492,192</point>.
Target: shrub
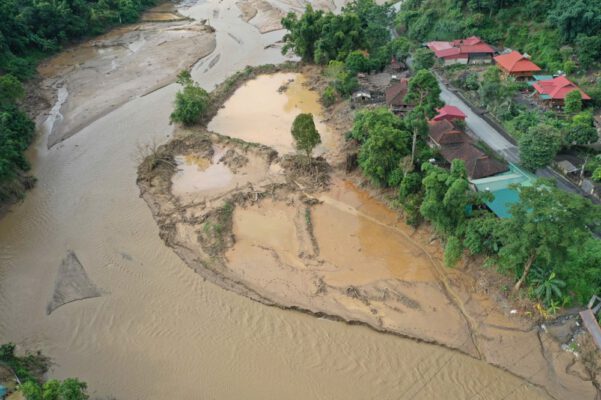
<point>328,97</point>
<point>190,104</point>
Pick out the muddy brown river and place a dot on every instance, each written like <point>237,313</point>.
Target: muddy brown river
<point>158,330</point>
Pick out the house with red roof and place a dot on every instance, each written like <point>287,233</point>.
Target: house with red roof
<point>472,50</point>
<point>517,65</point>
<point>554,91</point>
<point>453,143</point>
<point>449,113</point>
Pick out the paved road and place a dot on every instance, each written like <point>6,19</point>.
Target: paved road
<point>480,127</point>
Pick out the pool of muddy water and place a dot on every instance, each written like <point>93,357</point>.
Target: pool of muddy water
<point>262,111</point>
<point>197,173</point>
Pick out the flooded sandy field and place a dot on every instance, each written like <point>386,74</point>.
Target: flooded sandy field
<point>158,330</point>
<point>267,119</point>
<point>337,252</point>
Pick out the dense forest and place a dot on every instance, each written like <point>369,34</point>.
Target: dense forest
<point>559,34</point>
<point>29,31</point>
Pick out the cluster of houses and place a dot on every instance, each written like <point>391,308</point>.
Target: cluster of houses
<point>448,136</point>
<point>549,90</point>
<point>446,133</point>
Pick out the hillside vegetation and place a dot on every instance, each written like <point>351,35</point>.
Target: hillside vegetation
<point>558,34</point>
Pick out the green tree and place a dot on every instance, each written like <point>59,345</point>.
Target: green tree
<point>423,59</point>
<point>453,251</point>
<point>544,226</point>
<point>73,389</point>
<point>589,50</point>
<point>345,83</point>
<point>31,390</point>
<point>303,33</point>
<point>481,235</point>
<point>356,62</point>
<point>416,122</point>
<point>539,145</point>
<point>576,17</point>
<point>328,97</point>
<point>423,90</point>
<point>400,48</point>
<point>580,133</point>
<point>305,134</point>
<point>11,90</point>
<point>573,102</point>
<point>191,103</point>
<point>597,174</point>
<point>381,153</point>
<point>447,197</point>
<point>369,120</point>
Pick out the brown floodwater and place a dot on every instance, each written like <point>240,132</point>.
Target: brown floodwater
<point>159,331</point>
<point>267,118</point>
<point>200,174</point>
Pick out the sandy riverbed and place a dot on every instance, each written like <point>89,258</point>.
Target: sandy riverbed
<point>108,71</point>
<point>266,231</point>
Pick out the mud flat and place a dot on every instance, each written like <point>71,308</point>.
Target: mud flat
<point>302,236</point>
<point>261,14</point>
<point>106,72</point>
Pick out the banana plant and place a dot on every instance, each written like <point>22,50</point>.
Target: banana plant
<point>547,287</point>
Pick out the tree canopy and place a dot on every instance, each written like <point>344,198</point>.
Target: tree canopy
<point>539,145</point>
<point>320,37</point>
<point>190,103</point>
<point>305,134</point>
<point>545,226</point>
<point>424,91</point>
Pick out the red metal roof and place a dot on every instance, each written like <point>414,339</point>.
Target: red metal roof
<point>558,88</point>
<point>445,53</point>
<point>449,112</point>
<point>516,62</point>
<point>470,41</point>
<point>460,48</point>
<point>477,48</point>
<point>437,46</point>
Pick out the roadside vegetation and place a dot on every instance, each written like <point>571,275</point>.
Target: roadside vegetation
<point>547,244</point>
<point>31,30</point>
<point>30,369</point>
<point>559,35</point>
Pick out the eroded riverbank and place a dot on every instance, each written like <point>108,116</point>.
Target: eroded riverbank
<point>158,330</point>
<point>331,249</point>
<point>96,77</point>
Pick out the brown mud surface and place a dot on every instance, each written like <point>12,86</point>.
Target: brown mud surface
<point>302,236</point>
<point>166,12</point>
<point>261,14</point>
<point>102,74</point>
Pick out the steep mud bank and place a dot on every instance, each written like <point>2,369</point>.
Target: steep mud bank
<point>272,235</point>
<point>106,72</point>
